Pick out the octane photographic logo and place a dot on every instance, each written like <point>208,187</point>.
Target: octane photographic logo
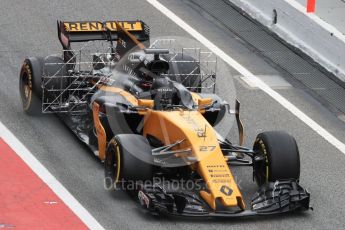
<point>168,93</point>
<point>181,184</point>
<point>169,185</point>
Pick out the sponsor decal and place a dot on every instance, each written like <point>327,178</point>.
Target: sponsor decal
<point>226,190</point>
<point>215,166</point>
<point>220,175</point>
<point>99,26</point>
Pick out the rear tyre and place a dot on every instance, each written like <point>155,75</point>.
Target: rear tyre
<point>128,159</point>
<point>30,82</point>
<point>30,85</point>
<point>280,156</point>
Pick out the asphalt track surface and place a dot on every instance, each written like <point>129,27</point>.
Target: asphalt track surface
<point>28,28</point>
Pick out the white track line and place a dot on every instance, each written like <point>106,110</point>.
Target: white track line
<point>250,76</point>
<point>48,178</point>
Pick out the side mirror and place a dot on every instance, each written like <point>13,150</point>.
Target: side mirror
<point>204,102</point>
<point>146,103</point>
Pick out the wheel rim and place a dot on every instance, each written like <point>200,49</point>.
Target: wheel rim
<point>25,90</point>
<point>112,165</point>
<point>262,170</point>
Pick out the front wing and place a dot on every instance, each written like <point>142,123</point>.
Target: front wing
<point>272,198</point>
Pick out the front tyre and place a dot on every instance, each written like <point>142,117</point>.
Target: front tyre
<point>128,159</point>
<point>280,157</point>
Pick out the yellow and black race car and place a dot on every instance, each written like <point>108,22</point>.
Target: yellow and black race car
<point>145,111</point>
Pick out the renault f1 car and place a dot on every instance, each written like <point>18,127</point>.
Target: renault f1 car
<point>144,111</point>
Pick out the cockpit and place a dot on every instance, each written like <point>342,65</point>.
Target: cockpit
<point>144,75</point>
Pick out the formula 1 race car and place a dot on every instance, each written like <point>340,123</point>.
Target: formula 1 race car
<point>148,111</point>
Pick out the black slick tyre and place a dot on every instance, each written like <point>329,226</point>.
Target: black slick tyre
<point>128,159</point>
<point>280,155</point>
<point>30,85</point>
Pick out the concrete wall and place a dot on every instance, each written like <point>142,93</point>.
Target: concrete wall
<point>307,32</point>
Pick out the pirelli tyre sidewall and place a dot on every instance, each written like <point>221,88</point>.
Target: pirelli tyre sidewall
<point>123,165</point>
<point>30,85</point>
<point>281,157</point>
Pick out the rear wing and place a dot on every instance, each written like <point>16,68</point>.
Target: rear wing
<point>83,31</point>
